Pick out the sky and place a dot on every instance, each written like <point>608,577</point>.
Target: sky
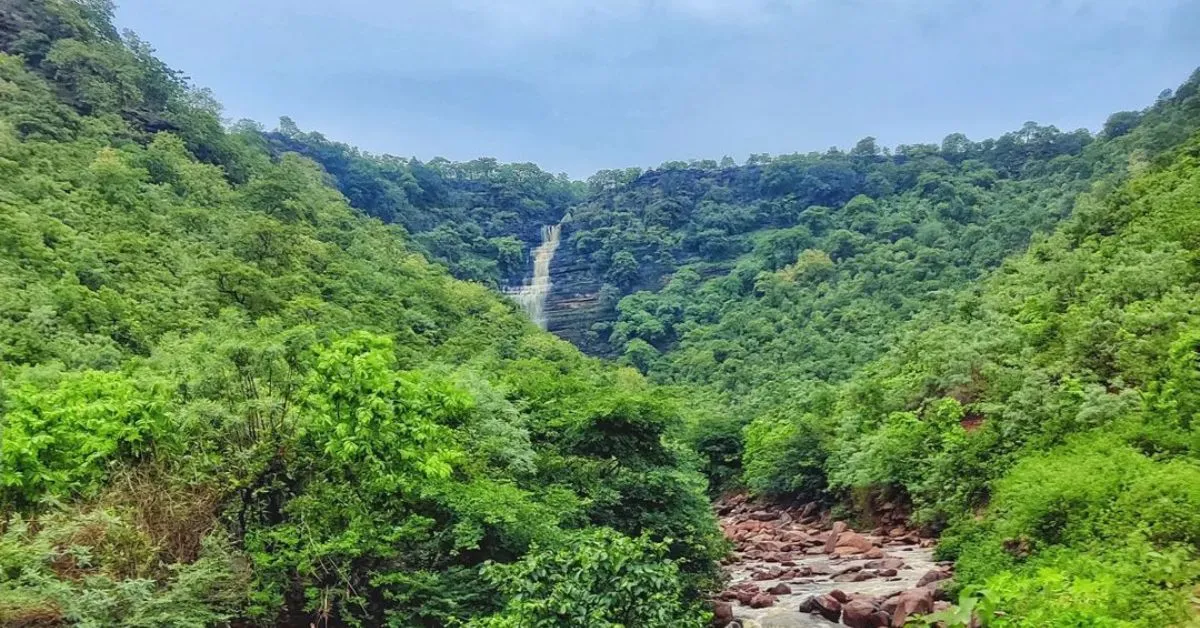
<point>577,86</point>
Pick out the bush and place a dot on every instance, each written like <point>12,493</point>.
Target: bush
<point>600,579</point>
<point>1088,533</point>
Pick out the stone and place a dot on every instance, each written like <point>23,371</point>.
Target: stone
<point>780,589</point>
<point>820,569</point>
<point>722,614</point>
<point>934,575</point>
<point>886,573</point>
<point>831,542</point>
<point>860,576</point>
<point>764,516</point>
<point>762,600</point>
<point>772,574</point>
<point>829,607</point>
<point>873,553</point>
<point>862,614</point>
<point>854,540</point>
<point>911,602</point>
<point>847,569</point>
<point>886,563</point>
<point>745,597</point>
<point>808,604</point>
<point>839,595</point>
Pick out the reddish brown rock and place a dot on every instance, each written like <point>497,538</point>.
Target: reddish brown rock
<point>831,542</point>
<point>860,576</point>
<point>764,516</point>
<point>829,607</point>
<point>873,553</point>
<point>863,614</point>
<point>886,563</point>
<point>762,600</point>
<point>780,589</point>
<point>771,574</point>
<point>934,575</point>
<point>722,614</point>
<point>912,602</point>
<point>796,536</point>
<point>847,569</point>
<point>886,573</point>
<point>855,541</point>
<point>839,595</point>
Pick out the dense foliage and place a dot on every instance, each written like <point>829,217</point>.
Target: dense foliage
<point>225,395</point>
<point>479,218</point>
<point>242,382</point>
<point>1046,417</point>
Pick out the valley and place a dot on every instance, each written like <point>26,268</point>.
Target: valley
<point>257,376</point>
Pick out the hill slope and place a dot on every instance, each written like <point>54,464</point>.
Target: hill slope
<point>227,396</point>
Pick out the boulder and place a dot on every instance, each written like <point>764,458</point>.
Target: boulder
<point>886,563</point>
<point>762,600</point>
<point>911,602</point>
<point>772,574</point>
<point>780,589</point>
<point>771,546</point>
<point>722,614</point>
<point>873,553</point>
<point>934,575</point>
<point>764,516</point>
<point>860,576</point>
<point>820,569</point>
<point>831,542</point>
<point>847,569</point>
<point>855,541</point>
<point>863,614</point>
<point>886,573</point>
<point>828,607</point>
<point>808,604</point>
<point>839,595</point>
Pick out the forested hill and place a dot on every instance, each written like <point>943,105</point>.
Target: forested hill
<point>480,218</point>
<point>228,398</point>
<point>256,378</point>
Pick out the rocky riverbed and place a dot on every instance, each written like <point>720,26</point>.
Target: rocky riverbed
<point>794,567</point>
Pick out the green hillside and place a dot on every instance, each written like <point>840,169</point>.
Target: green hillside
<point>228,396</point>
<point>256,378</point>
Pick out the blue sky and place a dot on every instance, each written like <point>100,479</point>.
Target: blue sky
<point>578,86</point>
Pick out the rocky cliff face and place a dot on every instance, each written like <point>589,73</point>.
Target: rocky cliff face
<point>574,304</point>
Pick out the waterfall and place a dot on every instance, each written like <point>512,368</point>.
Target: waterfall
<point>532,296</point>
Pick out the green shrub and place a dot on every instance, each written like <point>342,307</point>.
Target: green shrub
<point>600,579</point>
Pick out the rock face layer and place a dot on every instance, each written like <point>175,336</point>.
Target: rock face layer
<point>573,304</point>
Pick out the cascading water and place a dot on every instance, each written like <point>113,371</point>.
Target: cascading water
<point>532,296</point>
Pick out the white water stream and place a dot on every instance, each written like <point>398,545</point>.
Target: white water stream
<point>532,296</point>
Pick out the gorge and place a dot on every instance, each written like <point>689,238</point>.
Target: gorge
<point>258,377</point>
